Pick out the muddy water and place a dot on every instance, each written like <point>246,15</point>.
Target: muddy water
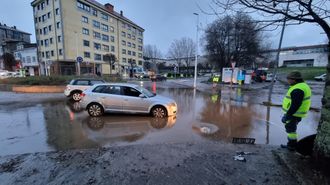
<point>214,116</point>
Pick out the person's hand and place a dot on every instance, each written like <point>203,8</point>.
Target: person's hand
<point>285,119</point>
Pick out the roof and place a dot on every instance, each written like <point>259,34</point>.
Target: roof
<point>113,13</point>
<point>4,26</point>
<point>298,48</point>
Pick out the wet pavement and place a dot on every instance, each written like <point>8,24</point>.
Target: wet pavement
<point>48,122</point>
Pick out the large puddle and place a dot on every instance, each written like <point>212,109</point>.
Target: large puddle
<point>215,116</point>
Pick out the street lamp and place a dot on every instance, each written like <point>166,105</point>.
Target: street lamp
<point>196,58</point>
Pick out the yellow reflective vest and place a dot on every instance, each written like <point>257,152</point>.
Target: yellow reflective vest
<point>304,107</point>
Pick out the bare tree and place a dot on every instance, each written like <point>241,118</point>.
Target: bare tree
<point>151,54</point>
<point>294,12</point>
<point>184,50</point>
<point>233,38</point>
<point>8,61</point>
<point>111,58</point>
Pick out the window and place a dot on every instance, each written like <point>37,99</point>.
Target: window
<point>105,38</point>
<point>124,60</point>
<point>123,51</point>
<point>97,57</point>
<point>43,54</point>
<point>133,45</point>
<point>45,30</point>
<point>129,44</point>
<point>42,5</point>
<point>133,37</point>
<point>50,28</point>
<point>58,25</point>
<point>57,11</point>
<point>59,38</point>
<point>94,12</point>
<point>123,34</point>
<point>104,16</point>
<point>81,82</point>
<point>112,38</point>
<point>128,35</point>
<point>38,6</point>
<point>52,53</point>
<point>47,54</point>
<point>86,43</point>
<point>42,42</point>
<point>47,2</point>
<point>84,19</point>
<point>85,31</point>
<point>140,62</point>
<point>48,15</point>
<point>123,25</point>
<point>97,46</point>
<point>39,19</point>
<point>129,52</point>
<point>140,48</point>
<point>46,42</point>
<point>140,40</point>
<point>105,48</point>
<point>87,54</point>
<point>44,18</point>
<point>133,53</point>
<point>140,55</point>
<point>112,48</point>
<point>60,52</point>
<point>96,24</point>
<point>104,27</point>
<point>40,31</point>
<point>123,43</point>
<point>83,6</point>
<point>96,35</point>
<point>51,41</point>
<point>129,91</point>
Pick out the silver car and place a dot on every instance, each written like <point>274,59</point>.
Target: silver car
<point>128,98</point>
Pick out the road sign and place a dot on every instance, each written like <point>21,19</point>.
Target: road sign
<point>79,59</point>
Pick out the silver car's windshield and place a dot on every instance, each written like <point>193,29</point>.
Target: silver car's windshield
<point>145,91</point>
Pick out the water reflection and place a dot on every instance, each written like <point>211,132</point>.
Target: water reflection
<point>114,128</point>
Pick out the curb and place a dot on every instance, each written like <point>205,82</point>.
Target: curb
<point>32,88</point>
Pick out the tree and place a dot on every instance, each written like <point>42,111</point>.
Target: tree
<point>8,61</point>
<point>151,53</point>
<point>111,58</point>
<point>184,50</point>
<point>233,38</point>
<point>296,12</point>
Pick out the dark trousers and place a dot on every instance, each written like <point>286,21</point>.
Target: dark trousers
<point>291,130</point>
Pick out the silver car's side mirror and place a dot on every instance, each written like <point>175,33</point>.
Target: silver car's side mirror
<point>142,96</point>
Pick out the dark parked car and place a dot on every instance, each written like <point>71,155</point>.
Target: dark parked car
<point>158,78</point>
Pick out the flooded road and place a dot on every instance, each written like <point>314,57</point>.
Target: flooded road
<point>217,115</point>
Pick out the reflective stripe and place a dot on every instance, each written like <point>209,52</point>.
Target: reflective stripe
<point>307,98</point>
<point>292,136</point>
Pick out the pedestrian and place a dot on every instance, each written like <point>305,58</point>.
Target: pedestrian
<point>295,106</point>
<point>215,80</point>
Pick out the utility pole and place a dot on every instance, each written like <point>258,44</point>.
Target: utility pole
<point>196,58</point>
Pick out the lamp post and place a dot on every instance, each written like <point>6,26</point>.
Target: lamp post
<point>196,58</point>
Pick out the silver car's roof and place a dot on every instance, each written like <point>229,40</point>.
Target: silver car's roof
<point>119,84</point>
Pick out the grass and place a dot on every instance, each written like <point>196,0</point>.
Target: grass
<point>308,73</point>
<point>49,80</point>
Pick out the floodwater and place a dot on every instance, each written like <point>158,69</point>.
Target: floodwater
<point>202,116</point>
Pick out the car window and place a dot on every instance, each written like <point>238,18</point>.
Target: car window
<point>93,82</point>
<point>145,91</point>
<point>99,89</point>
<point>114,90</point>
<point>82,82</point>
<point>129,91</point>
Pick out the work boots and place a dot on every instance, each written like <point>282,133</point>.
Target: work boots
<point>292,144</point>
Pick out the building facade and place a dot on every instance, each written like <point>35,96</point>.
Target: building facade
<point>303,56</point>
<point>68,29</point>
<point>10,37</point>
<point>26,55</point>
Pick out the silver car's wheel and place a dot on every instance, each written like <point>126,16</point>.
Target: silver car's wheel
<point>95,110</point>
<point>76,96</point>
<point>159,112</point>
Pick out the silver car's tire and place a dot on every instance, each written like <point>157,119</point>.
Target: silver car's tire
<point>159,112</point>
<point>95,110</point>
<point>76,96</point>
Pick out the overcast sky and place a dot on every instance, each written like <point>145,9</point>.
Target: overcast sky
<point>163,21</point>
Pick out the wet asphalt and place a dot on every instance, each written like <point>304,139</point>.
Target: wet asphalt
<point>32,123</point>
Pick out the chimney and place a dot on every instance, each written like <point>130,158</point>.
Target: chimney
<point>121,13</point>
<point>109,7</point>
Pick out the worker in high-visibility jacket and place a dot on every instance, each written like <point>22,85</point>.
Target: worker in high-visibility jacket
<point>296,104</point>
<point>215,80</point>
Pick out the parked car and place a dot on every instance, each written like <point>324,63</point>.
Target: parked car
<point>126,98</point>
<point>321,77</point>
<point>269,77</point>
<point>158,77</point>
<point>77,86</point>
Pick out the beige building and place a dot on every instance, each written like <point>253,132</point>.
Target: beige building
<point>70,29</point>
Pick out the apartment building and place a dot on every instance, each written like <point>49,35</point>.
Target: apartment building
<point>71,29</point>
